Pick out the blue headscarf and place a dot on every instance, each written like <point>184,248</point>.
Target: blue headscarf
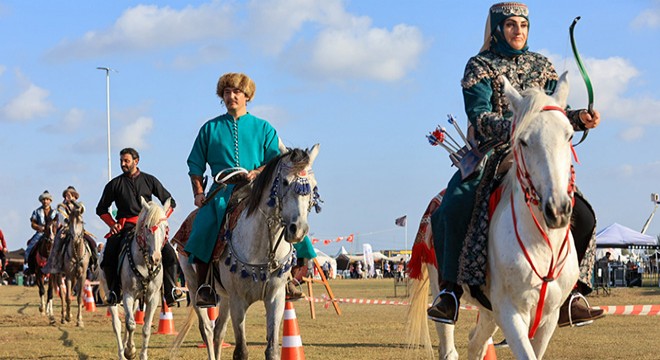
<point>493,35</point>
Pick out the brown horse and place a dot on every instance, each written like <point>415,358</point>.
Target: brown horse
<point>39,258</point>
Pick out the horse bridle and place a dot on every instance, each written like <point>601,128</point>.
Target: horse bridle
<point>532,197</point>
<point>152,268</point>
<point>275,223</point>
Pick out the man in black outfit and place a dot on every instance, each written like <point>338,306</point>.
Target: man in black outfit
<point>125,191</point>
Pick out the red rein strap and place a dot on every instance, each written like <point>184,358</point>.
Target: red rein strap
<point>143,242</point>
<point>531,197</point>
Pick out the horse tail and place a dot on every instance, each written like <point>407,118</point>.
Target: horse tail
<point>417,326</point>
<point>422,258</point>
<point>178,341</point>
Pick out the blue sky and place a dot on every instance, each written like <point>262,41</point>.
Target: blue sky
<point>366,79</point>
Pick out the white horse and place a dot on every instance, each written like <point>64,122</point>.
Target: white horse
<point>74,265</point>
<point>532,262</point>
<point>141,277</point>
<point>256,262</point>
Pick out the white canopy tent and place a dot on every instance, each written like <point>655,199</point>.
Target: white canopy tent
<point>322,257</point>
<point>619,236</point>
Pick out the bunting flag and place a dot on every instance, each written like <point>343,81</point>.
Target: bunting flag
<point>401,221</point>
<point>318,241</point>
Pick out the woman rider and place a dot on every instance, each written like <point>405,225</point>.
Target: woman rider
<point>505,52</point>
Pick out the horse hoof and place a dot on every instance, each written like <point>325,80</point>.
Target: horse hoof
<point>63,321</point>
<point>80,324</point>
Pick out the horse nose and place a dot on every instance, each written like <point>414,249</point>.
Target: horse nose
<point>557,213</point>
<point>293,228</point>
<point>156,256</point>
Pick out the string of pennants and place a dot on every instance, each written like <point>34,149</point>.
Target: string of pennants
<point>348,238</point>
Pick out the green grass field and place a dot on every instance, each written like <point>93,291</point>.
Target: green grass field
<point>361,332</point>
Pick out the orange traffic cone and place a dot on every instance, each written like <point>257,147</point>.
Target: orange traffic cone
<point>139,315</point>
<point>490,352</point>
<point>213,314</point>
<point>292,348</point>
<point>166,323</point>
<point>90,302</point>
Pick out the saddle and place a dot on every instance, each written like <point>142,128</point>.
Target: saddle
<point>236,205</point>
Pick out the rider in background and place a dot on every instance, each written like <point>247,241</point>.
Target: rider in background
<point>70,199</point>
<point>235,139</point>
<point>38,222</point>
<point>125,191</point>
<point>3,252</point>
<point>504,52</point>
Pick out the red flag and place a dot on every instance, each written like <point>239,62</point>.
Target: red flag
<point>315,240</point>
<point>339,238</point>
<point>349,238</point>
<point>401,221</point>
<point>326,242</point>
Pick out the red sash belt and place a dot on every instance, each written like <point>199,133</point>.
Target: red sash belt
<point>122,221</point>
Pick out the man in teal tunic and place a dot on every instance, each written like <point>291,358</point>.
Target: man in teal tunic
<point>235,139</point>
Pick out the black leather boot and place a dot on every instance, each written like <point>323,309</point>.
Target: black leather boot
<point>114,285</point>
<point>446,309</point>
<point>205,297</point>
<point>171,292</point>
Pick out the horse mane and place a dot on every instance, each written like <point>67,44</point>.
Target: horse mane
<point>299,160</point>
<point>150,215</point>
<point>534,99</point>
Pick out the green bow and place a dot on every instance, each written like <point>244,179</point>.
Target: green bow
<point>585,76</point>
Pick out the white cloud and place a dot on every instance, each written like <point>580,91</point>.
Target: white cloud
<point>31,103</point>
<point>72,122</point>
<point>276,116</point>
<point>275,22</point>
<point>341,45</point>
<point>367,52</point>
<point>134,134</point>
<point>313,38</point>
<point>649,18</point>
<point>147,27</point>
<point>632,133</point>
<point>612,78</point>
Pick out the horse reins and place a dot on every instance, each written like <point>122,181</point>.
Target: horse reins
<point>152,270</point>
<point>532,197</point>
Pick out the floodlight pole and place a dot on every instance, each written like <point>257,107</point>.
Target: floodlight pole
<point>107,106</point>
<point>656,201</point>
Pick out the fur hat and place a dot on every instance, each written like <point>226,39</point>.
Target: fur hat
<point>45,195</point>
<point>71,190</point>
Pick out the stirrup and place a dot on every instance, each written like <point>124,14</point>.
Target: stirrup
<point>579,296</point>
<point>176,297</point>
<point>112,299</point>
<point>293,296</point>
<point>212,293</point>
<point>456,308</point>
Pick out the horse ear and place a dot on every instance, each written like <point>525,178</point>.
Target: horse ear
<point>144,203</point>
<point>166,206</point>
<point>561,92</point>
<point>313,153</point>
<point>512,94</point>
<point>281,146</point>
